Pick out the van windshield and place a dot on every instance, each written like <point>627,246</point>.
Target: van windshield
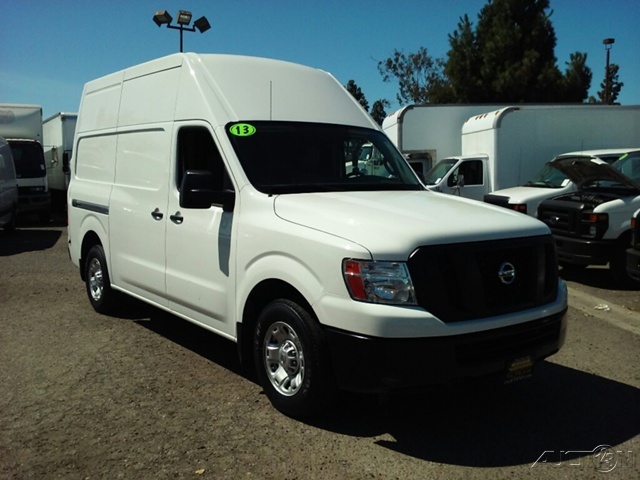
<point>295,157</point>
<point>28,159</point>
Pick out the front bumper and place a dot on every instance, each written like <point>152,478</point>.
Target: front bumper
<point>579,251</point>
<point>34,202</point>
<point>372,364</point>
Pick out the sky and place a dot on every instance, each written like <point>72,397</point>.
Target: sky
<point>50,49</point>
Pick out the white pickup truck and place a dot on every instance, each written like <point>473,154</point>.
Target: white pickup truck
<point>592,226</point>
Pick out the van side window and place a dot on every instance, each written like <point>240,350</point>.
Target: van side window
<point>198,151</point>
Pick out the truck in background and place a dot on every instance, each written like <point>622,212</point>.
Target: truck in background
<point>548,182</point>
<point>507,147</point>
<point>425,134</point>
<point>21,126</point>
<point>58,131</point>
<point>8,188</point>
<point>592,226</point>
<point>633,252</point>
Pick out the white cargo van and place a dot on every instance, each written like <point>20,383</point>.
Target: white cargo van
<point>228,191</point>
<point>8,188</point>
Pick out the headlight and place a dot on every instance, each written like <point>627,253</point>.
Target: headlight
<point>379,282</point>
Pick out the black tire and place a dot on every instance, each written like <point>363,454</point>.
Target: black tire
<point>292,361</point>
<point>10,226</point>
<point>618,269</point>
<point>102,297</point>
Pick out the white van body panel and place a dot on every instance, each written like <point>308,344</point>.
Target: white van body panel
<point>144,133</point>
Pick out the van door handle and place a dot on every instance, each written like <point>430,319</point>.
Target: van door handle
<point>177,218</point>
<point>157,214</point>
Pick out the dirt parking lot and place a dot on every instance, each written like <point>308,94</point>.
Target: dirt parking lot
<point>146,395</point>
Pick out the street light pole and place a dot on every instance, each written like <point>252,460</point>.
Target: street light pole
<point>608,42</point>
<point>162,17</point>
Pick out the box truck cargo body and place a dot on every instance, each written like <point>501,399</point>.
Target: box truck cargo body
<point>426,134</point>
<point>507,147</point>
<point>21,126</point>
<point>217,188</point>
<point>58,131</point>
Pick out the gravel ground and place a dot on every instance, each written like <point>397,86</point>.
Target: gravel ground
<point>146,395</point>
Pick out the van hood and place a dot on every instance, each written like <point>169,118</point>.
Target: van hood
<point>584,171</point>
<point>391,224</point>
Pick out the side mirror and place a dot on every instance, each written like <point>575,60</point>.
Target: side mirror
<point>197,191</point>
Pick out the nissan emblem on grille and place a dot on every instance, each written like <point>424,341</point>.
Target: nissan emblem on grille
<point>507,273</point>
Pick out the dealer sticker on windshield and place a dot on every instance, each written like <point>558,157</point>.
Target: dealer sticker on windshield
<point>519,369</point>
<point>242,129</point>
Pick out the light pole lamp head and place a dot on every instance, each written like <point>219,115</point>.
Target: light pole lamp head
<point>184,17</point>
<point>202,24</point>
<point>161,17</point>
<point>608,42</point>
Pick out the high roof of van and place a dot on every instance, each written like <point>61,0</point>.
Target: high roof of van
<point>219,89</point>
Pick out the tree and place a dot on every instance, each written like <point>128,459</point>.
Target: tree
<point>415,73</point>
<point>507,58</point>
<point>614,85</point>
<point>577,78</point>
<point>356,92</point>
<point>378,110</point>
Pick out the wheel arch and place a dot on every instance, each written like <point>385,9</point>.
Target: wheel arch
<point>260,296</point>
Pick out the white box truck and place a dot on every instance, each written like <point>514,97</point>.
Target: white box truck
<point>21,126</point>
<point>425,134</point>
<point>216,187</point>
<point>507,147</point>
<point>58,131</point>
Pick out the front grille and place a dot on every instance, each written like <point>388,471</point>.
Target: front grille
<point>562,217</point>
<point>462,281</point>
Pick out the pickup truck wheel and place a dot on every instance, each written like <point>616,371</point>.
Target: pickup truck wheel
<point>291,360</point>
<point>102,297</point>
<point>10,226</point>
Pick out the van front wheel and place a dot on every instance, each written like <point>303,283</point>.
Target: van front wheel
<point>292,361</point>
<point>102,297</point>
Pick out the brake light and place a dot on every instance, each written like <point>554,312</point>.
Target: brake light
<point>519,207</point>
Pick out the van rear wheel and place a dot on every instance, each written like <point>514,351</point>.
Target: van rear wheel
<point>292,361</point>
<point>103,299</point>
